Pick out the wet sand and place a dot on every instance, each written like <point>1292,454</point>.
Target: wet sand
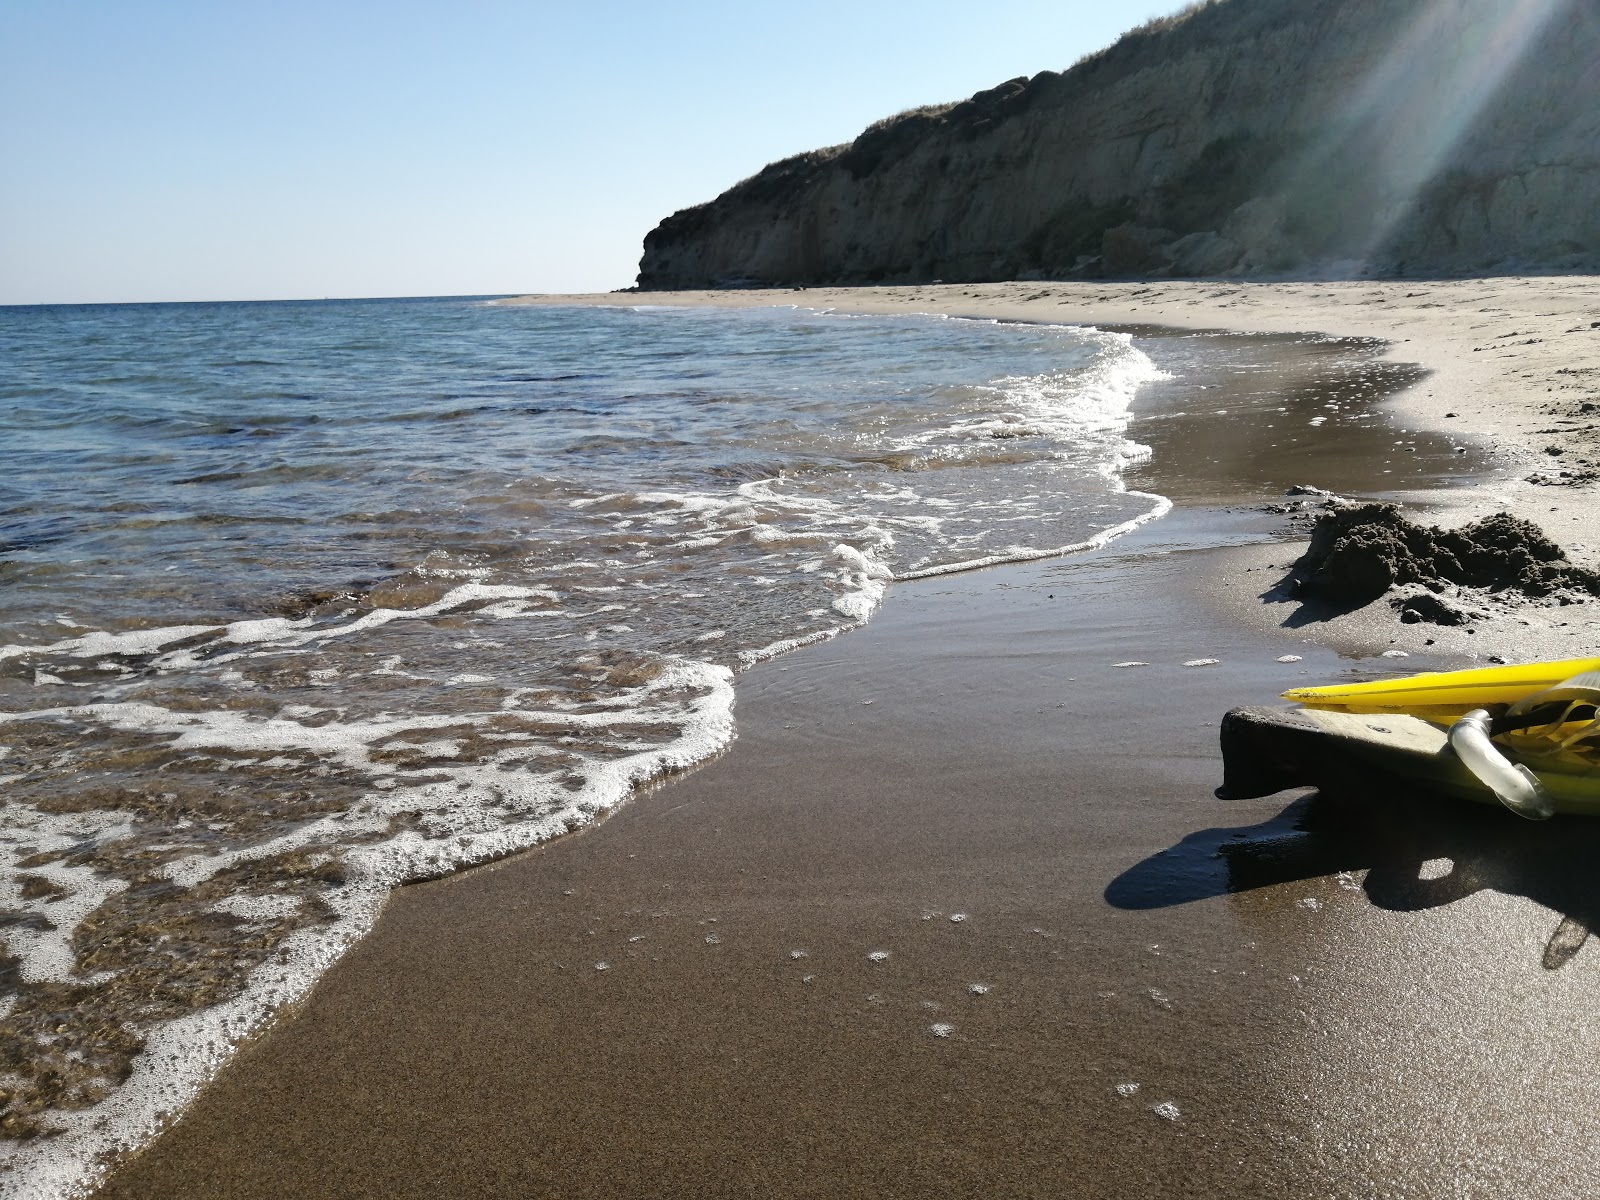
<point>976,754</point>
<point>1312,999</point>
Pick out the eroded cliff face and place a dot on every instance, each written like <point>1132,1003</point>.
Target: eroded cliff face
<point>1246,137</point>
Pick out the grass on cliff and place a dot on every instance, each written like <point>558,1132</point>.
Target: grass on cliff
<point>921,110</point>
<point>1170,21</point>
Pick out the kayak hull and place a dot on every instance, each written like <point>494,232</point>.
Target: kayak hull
<point>1267,750</point>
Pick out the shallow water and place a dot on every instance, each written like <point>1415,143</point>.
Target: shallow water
<point>1243,415</point>
<point>303,601</point>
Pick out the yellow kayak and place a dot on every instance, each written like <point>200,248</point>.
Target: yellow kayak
<point>1439,694</point>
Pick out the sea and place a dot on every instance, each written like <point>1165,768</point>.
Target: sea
<point>300,602</point>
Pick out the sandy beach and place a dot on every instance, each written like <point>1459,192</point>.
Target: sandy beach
<point>1511,360</point>
<point>958,913</point>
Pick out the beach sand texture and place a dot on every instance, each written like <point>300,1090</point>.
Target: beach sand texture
<point>958,913</point>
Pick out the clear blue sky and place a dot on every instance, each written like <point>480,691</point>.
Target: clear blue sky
<point>229,149</point>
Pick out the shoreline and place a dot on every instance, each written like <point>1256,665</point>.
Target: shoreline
<point>1495,347</point>
<point>1512,373</point>
<point>519,1077</point>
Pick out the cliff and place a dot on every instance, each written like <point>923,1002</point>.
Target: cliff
<point>1240,137</point>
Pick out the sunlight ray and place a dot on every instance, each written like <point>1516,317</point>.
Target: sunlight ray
<point>1407,119</point>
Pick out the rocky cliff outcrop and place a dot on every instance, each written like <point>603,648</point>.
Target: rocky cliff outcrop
<point>1240,137</point>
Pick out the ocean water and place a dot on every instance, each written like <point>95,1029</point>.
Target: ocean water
<point>304,601</point>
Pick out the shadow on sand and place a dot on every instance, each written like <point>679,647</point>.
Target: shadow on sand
<point>1308,610</point>
<point>1418,853</point>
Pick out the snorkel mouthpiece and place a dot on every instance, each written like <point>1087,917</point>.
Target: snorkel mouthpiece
<point>1512,783</point>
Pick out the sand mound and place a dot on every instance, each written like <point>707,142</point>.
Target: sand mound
<point>1359,553</point>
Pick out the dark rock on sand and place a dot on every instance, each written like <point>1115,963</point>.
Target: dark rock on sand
<point>1359,553</point>
<point>1434,609</point>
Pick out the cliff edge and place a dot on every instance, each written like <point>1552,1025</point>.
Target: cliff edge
<point>1239,137</point>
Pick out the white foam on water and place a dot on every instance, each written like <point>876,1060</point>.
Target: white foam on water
<point>258,907</point>
<point>1093,407</point>
<point>1160,507</point>
<point>46,954</point>
<point>278,632</point>
<point>182,1054</point>
<point>749,658</point>
<point>92,645</point>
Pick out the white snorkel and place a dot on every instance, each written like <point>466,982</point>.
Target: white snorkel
<point>1512,783</point>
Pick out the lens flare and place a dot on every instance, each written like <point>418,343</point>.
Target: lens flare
<point>1406,119</point>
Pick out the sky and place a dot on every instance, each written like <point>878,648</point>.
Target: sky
<point>221,150</point>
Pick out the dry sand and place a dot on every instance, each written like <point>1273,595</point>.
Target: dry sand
<point>958,914</point>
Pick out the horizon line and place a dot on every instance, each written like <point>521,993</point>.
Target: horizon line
<point>261,300</point>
